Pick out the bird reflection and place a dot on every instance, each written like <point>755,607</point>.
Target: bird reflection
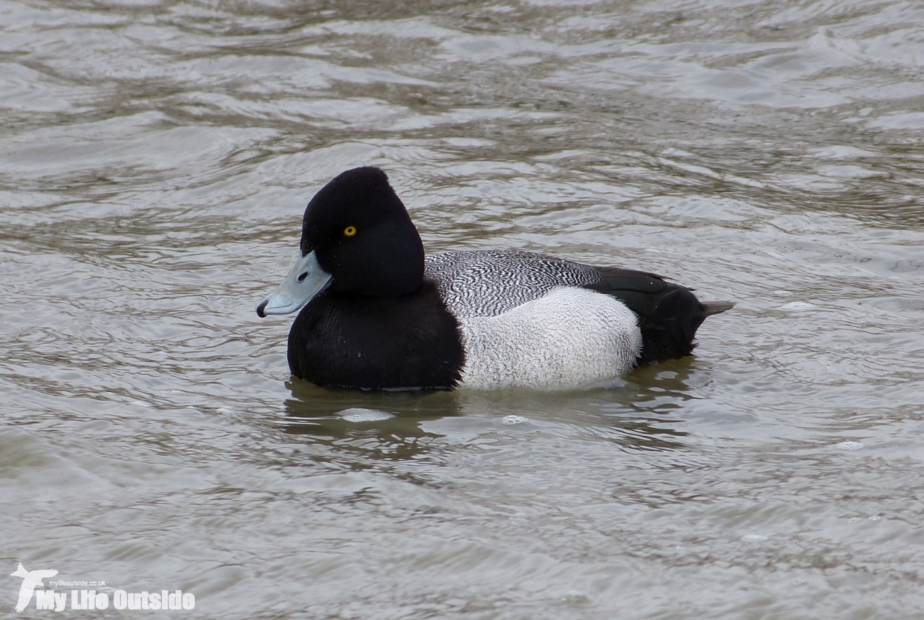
<point>644,412</point>
<point>381,425</point>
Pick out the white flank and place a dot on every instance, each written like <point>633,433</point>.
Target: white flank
<point>571,338</point>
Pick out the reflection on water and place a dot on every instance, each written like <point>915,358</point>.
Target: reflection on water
<point>156,159</point>
<point>403,425</point>
<point>322,414</point>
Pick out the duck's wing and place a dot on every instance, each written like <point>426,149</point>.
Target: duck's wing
<point>639,290</point>
<point>491,282</point>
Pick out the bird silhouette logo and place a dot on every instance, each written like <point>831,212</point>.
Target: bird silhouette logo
<point>30,579</point>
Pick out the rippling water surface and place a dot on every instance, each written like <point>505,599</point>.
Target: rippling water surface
<point>155,160</point>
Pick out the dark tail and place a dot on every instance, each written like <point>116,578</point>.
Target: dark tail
<point>717,307</point>
<point>668,332</point>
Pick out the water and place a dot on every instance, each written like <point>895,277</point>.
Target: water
<point>155,159</point>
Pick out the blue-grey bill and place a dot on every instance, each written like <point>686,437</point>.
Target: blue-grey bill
<point>304,282</point>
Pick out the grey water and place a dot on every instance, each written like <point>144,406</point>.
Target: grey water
<point>155,160</point>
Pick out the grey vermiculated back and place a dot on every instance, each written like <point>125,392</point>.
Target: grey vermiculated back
<point>491,282</point>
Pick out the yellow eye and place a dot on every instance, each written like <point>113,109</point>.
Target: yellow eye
<point>349,231</point>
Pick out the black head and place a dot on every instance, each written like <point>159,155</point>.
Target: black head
<point>363,236</point>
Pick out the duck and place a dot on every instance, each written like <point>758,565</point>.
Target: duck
<point>376,313</point>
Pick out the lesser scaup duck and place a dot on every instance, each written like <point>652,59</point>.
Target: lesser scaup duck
<point>379,315</point>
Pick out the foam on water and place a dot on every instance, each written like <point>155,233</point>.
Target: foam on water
<point>359,415</point>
